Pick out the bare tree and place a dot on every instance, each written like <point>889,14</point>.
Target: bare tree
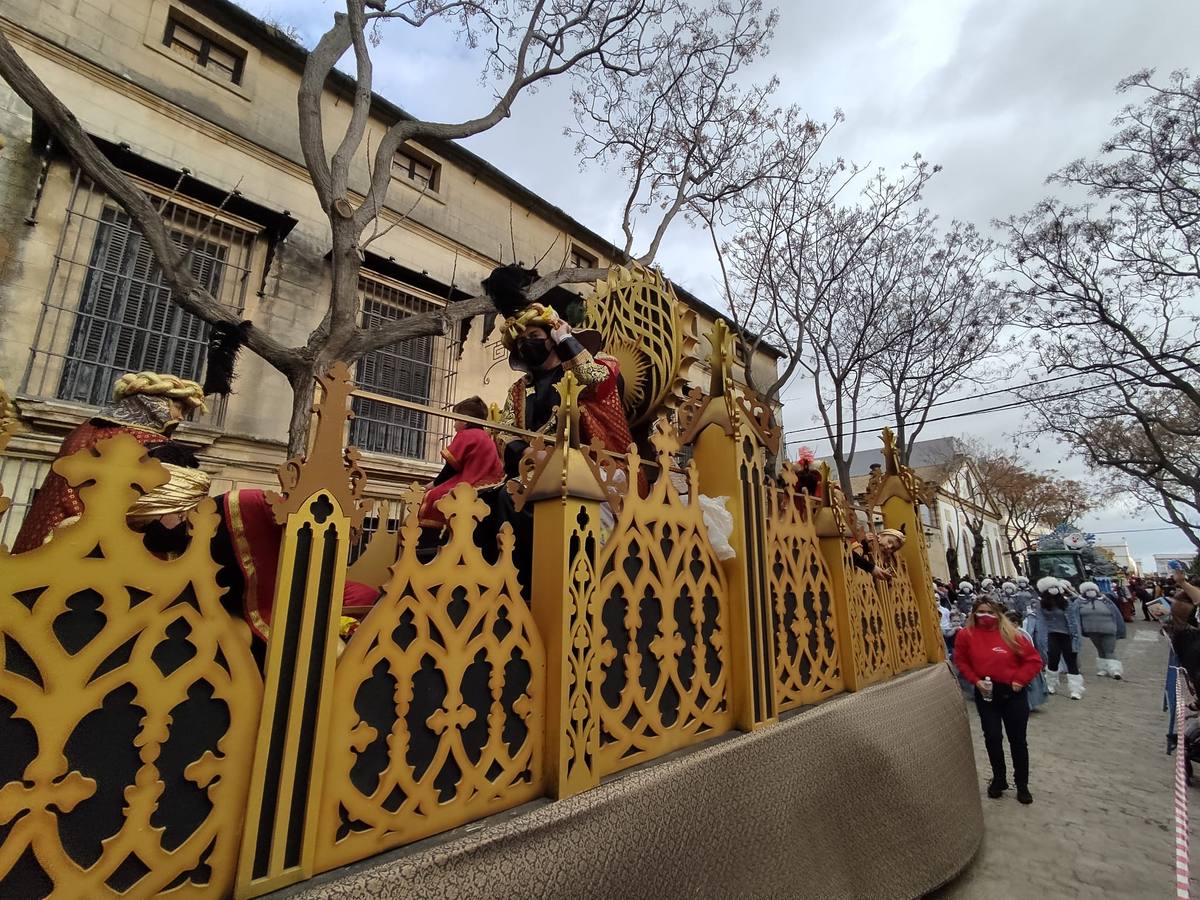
<point>945,319</point>
<point>524,43</point>
<point>1112,293</point>
<point>685,135</point>
<point>812,274</point>
<point>1030,502</point>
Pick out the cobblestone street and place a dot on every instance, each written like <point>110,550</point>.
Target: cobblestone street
<point>1102,822</point>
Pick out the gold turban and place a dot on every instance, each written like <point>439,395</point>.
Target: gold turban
<point>181,494</point>
<point>892,532</point>
<point>151,384</point>
<point>534,314</point>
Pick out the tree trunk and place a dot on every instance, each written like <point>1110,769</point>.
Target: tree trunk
<point>302,402</point>
<point>977,552</point>
<point>843,473</point>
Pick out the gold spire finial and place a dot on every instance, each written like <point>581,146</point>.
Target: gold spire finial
<point>890,456</point>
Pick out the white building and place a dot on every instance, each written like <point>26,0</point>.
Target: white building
<point>958,499</point>
<point>1122,556</point>
<point>1162,559</point>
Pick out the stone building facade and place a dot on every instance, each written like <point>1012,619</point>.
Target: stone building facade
<point>957,497</point>
<point>196,100</point>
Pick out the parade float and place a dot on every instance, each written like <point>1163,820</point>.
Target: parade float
<point>648,718</point>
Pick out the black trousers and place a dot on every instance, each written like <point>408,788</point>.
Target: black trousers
<point>1058,644</point>
<point>1008,711</point>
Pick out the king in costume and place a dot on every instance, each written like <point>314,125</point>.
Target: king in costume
<point>544,348</point>
<point>147,406</point>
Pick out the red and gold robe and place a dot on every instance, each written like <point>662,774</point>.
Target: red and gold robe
<point>256,539</point>
<point>56,500</point>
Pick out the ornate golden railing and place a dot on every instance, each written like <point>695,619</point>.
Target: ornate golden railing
<point>438,699</point>
<point>141,750</point>
<point>664,622</point>
<point>808,666</point>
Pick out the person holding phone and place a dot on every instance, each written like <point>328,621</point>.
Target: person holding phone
<point>1000,661</point>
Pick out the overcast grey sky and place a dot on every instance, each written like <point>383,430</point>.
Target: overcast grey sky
<point>998,94</point>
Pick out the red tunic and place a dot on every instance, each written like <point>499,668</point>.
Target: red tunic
<point>472,454</point>
<point>56,500</point>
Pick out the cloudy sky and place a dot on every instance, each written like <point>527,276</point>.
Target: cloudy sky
<point>998,94</point>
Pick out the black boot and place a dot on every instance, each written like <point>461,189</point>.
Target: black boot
<point>997,788</point>
<point>1023,794</point>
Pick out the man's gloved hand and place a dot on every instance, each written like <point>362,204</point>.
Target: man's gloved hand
<point>560,331</point>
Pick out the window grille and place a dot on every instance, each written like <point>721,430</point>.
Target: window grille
<point>581,259</point>
<point>21,479</point>
<point>225,62</point>
<point>417,370</point>
<point>107,310</point>
<point>420,171</point>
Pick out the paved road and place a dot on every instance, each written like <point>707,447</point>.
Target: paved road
<point>1101,824</point>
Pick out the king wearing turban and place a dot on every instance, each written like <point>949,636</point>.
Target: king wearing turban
<point>147,406</point>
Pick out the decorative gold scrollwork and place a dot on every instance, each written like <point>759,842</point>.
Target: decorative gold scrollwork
<point>328,466</point>
<point>908,643</point>
<point>129,702</point>
<point>438,698</point>
<point>868,625</point>
<point>806,648</point>
<point>664,620</point>
<point>648,331</point>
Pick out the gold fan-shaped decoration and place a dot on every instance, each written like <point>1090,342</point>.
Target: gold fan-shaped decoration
<point>648,331</point>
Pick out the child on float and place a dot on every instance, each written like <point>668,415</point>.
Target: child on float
<point>1102,623</point>
<point>470,458</point>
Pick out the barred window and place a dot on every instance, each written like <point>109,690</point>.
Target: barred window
<point>422,172</point>
<point>416,371</point>
<point>126,320</point>
<point>107,310</point>
<point>581,259</point>
<point>224,61</point>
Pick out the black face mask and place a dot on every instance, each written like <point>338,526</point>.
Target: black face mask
<point>164,541</point>
<point>533,351</point>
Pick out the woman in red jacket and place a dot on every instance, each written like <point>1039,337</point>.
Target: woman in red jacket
<point>992,655</point>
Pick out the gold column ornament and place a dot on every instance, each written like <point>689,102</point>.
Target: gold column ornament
<point>566,499</point>
<point>320,504</point>
<point>807,659</point>
<point>129,702</point>
<point>730,433</point>
<point>663,621</point>
<point>829,524</point>
<point>900,497</point>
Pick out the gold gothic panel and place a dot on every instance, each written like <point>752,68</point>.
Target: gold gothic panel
<point>649,332</point>
<point>664,616</point>
<point>438,698</point>
<point>907,641</point>
<point>868,625</point>
<point>129,702</point>
<point>807,667</point>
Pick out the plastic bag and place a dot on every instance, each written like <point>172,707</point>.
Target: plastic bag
<point>719,522</point>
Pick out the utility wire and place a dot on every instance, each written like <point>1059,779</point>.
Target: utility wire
<point>975,412</point>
